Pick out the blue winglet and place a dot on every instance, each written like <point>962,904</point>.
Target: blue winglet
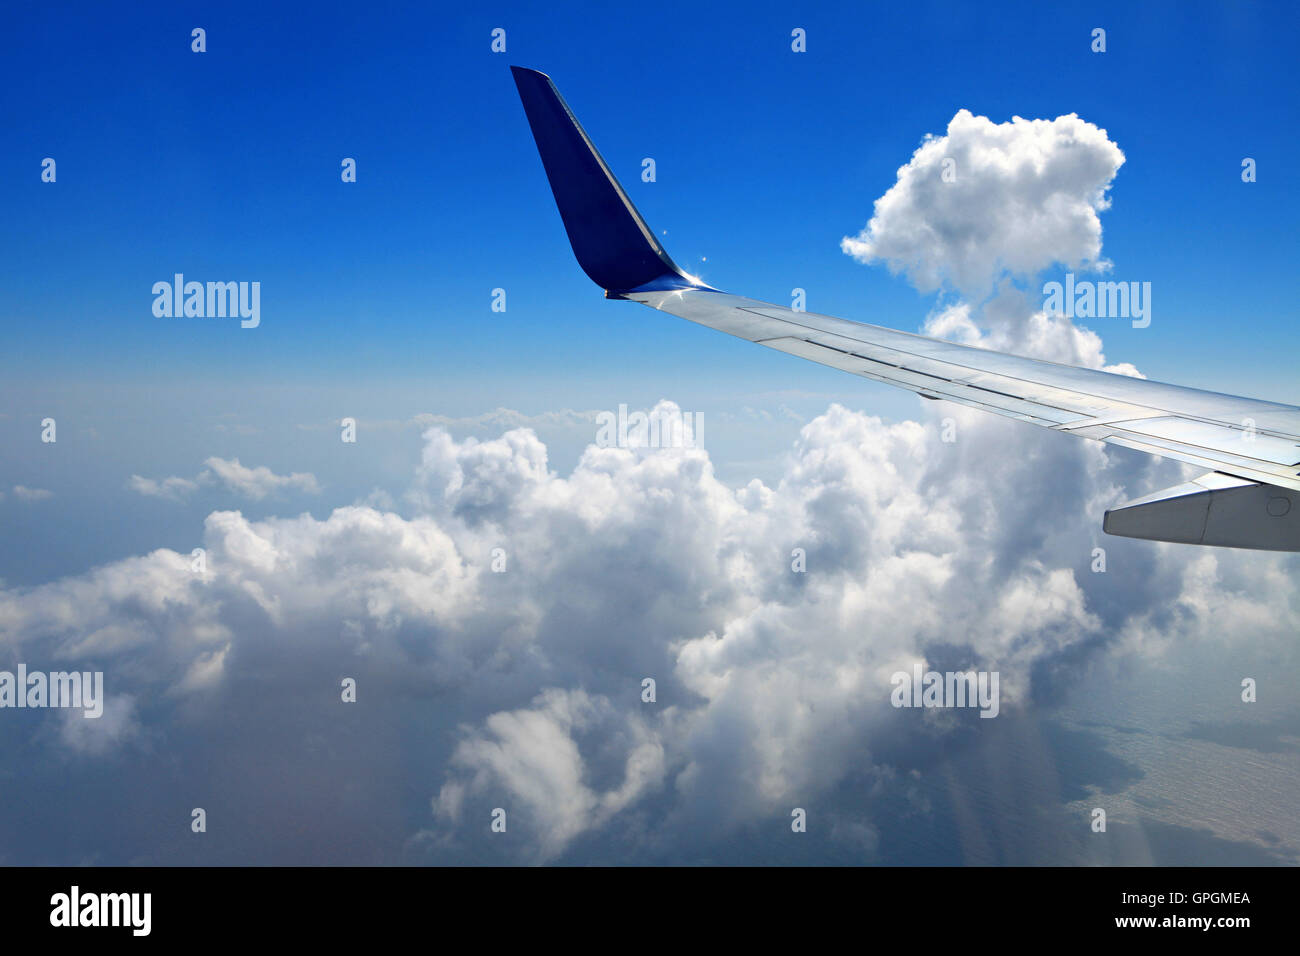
<point>611,241</point>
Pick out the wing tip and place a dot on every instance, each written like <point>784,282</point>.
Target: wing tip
<point>610,239</point>
<point>527,71</point>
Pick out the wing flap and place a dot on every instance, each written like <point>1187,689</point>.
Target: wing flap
<point>1215,509</point>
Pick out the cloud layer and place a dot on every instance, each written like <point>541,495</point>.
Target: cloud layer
<point>772,684</point>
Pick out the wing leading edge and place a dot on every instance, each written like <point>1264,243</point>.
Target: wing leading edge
<point>1249,498</point>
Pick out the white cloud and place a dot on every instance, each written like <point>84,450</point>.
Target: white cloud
<point>103,734</point>
<point>530,757</point>
<point>173,488</point>
<point>1023,195</point>
<point>257,483</point>
<point>254,483</point>
<point>32,494</point>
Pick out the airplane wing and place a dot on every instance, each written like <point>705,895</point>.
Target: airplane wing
<point>1249,497</point>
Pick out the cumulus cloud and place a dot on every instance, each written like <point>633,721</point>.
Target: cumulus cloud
<point>254,483</point>
<point>531,757</point>
<point>990,197</point>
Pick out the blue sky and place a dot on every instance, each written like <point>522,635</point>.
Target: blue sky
<point>226,164</point>
<point>1122,686</point>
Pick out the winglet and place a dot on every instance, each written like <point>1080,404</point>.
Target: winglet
<point>611,241</point>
